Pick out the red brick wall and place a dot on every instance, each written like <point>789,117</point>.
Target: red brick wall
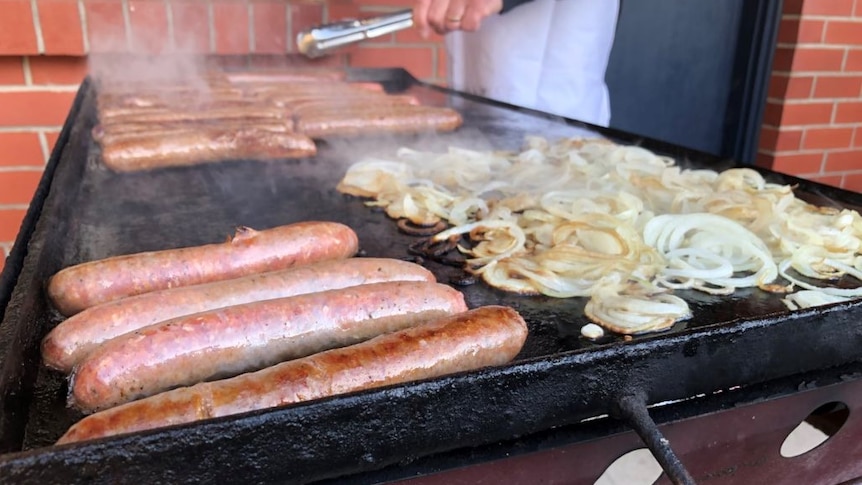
<point>811,127</point>
<point>813,119</point>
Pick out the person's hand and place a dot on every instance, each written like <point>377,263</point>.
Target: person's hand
<point>444,16</point>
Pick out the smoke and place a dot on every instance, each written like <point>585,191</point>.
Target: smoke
<point>156,43</point>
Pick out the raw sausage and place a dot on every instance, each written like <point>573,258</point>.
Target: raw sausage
<point>77,336</point>
<point>243,338</point>
<point>88,284</point>
<point>486,336</point>
<point>203,146</point>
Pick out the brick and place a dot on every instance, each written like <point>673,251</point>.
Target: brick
<point>417,60</point>
<point>854,60</point>
<point>792,7</point>
<point>148,22</point>
<point>230,22</point>
<point>191,26</point>
<point>21,149</point>
<point>800,31</point>
<point>338,10</point>
<point>795,114</point>
<point>11,70</point>
<point>810,31</point>
<point>58,69</point>
<point>843,32</point>
<point>305,16</point>
<point>51,137</point>
<point>843,161</point>
<point>838,87</point>
<point>817,59</point>
<point>270,27</point>
<point>775,140</point>
<point>61,27</point>
<point>764,160</point>
<point>783,59</point>
<point>797,163</point>
<point>18,186</point>
<point>852,182</point>
<point>442,63</point>
<point>821,138</point>
<point>828,7</point>
<point>17,32</point>
<point>857,12</point>
<point>783,86</point>
<point>772,113</point>
<point>35,108</point>
<point>848,112</point>
<point>10,223</point>
<point>414,36</point>
<point>106,27</point>
<point>833,180</point>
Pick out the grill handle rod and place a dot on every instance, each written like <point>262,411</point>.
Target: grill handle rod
<point>632,408</point>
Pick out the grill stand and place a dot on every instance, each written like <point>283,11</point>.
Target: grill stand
<point>632,408</point>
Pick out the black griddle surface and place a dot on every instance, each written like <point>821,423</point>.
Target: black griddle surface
<point>110,214</point>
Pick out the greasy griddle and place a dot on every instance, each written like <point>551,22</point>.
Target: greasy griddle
<point>559,377</point>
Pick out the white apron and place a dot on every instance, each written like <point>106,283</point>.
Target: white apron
<point>549,55</point>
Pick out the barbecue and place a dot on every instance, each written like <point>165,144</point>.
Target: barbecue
<point>563,396</point>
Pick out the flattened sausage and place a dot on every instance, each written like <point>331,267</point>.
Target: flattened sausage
<point>243,338</point>
<point>248,252</point>
<point>78,335</point>
<point>486,336</point>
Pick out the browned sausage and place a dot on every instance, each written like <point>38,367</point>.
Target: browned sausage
<point>122,132</point>
<point>349,104</point>
<point>202,146</point>
<point>247,114</point>
<point>243,338</point>
<point>248,252</point>
<point>467,341</point>
<point>77,336</point>
<point>371,120</point>
<point>290,76</point>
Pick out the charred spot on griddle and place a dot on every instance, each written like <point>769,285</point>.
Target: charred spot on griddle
<point>464,279</point>
<point>414,259</point>
<point>410,228</point>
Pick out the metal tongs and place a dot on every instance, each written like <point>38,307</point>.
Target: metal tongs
<point>324,38</point>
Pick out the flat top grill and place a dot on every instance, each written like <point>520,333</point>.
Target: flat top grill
<point>558,378</point>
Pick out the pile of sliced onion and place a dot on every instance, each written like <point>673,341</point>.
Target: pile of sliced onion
<point>563,218</point>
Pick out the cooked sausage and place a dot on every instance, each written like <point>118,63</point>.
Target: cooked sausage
<point>349,104</point>
<point>77,336</point>
<point>202,146</point>
<point>243,338</point>
<point>112,133</point>
<point>247,114</point>
<point>248,252</point>
<point>486,336</point>
<point>289,76</point>
<point>371,120</point>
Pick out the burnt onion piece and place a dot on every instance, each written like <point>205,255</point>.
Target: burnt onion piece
<point>408,227</point>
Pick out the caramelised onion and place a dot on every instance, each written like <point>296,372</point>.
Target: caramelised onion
<point>563,218</point>
<point>634,311</point>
